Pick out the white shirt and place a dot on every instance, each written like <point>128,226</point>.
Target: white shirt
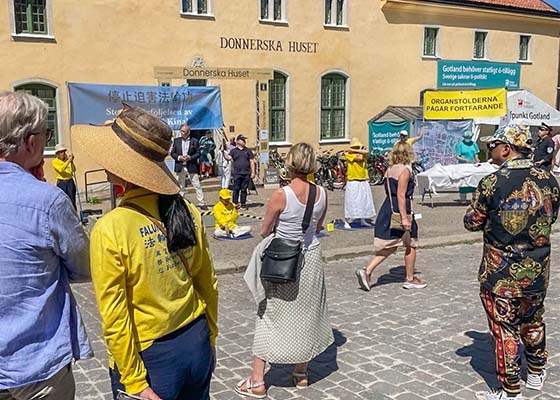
<point>186,145</point>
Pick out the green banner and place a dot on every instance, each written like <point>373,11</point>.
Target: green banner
<point>477,75</point>
<point>383,135</point>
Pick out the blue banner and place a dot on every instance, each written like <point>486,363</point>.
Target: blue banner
<point>199,106</point>
<point>383,135</point>
<point>439,141</point>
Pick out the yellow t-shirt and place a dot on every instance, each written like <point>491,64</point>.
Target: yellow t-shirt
<point>143,291</point>
<point>356,170</point>
<point>62,169</point>
<point>225,215</point>
<point>411,141</point>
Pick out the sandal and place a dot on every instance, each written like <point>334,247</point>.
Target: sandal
<point>300,379</point>
<point>248,391</point>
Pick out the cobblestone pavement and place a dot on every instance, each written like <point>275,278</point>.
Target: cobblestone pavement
<point>390,343</point>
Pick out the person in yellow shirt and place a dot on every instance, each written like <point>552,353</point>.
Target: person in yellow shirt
<point>64,172</point>
<point>358,200</point>
<point>225,214</point>
<point>152,273</point>
<point>411,141</point>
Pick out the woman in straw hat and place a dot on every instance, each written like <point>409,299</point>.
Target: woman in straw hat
<point>358,201</point>
<point>152,273</point>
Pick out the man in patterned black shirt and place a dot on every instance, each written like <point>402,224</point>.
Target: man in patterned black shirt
<point>515,207</point>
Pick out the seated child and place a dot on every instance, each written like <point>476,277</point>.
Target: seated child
<point>225,214</point>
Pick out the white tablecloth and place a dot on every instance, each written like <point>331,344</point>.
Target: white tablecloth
<point>453,176</point>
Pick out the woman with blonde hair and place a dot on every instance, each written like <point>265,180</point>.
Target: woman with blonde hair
<point>292,323</point>
<point>399,188</point>
<point>152,273</point>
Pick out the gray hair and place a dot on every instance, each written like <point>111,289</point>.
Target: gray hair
<point>20,114</point>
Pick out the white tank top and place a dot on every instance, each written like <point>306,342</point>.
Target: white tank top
<point>289,222</point>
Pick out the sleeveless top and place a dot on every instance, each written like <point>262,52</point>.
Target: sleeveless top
<point>289,221</point>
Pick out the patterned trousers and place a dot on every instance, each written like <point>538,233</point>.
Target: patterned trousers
<point>514,323</point>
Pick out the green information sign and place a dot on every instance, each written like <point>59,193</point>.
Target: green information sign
<point>477,75</point>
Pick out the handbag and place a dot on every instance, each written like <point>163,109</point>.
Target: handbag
<point>282,258</point>
<point>396,220</point>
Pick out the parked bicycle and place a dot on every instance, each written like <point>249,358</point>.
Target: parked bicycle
<point>275,160</point>
<point>331,170</point>
<point>377,166</point>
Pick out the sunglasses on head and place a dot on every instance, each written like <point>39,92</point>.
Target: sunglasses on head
<point>492,145</point>
<point>542,128</point>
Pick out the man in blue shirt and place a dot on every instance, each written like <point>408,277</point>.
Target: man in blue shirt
<point>43,247</point>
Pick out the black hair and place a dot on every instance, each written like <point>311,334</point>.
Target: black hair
<point>178,221</point>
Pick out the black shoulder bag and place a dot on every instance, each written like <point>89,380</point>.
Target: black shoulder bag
<point>282,258</point>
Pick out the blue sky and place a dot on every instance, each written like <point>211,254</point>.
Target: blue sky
<point>553,3</point>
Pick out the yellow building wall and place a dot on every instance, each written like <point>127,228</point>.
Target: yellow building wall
<point>119,42</point>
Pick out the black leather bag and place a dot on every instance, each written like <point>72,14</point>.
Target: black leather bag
<point>283,257</point>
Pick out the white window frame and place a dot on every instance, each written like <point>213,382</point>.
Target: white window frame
<point>346,138</point>
<point>270,20</point>
<point>486,57</point>
<point>287,141</point>
<point>50,25</point>
<point>344,24</point>
<point>529,47</point>
<point>194,13</point>
<point>437,54</point>
<point>59,111</point>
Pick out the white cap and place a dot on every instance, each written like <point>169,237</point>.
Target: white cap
<point>403,133</point>
<point>59,148</point>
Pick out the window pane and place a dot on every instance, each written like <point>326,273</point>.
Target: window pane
<point>325,124</point>
<point>326,92</point>
<point>48,95</point>
<point>328,12</point>
<point>277,9</point>
<point>479,44</point>
<point>524,47</point>
<point>264,9</point>
<point>20,9</point>
<point>340,12</point>
<point>202,7</point>
<point>333,106</point>
<point>187,6</point>
<point>277,110</point>
<point>38,16</point>
<point>430,41</point>
<point>338,124</point>
<point>278,126</point>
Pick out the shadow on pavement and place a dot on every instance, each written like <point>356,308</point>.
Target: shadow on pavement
<point>482,356</point>
<point>395,275</point>
<point>319,368</point>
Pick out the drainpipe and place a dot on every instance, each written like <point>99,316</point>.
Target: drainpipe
<point>558,82</point>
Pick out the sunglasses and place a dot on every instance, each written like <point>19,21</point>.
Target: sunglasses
<point>542,128</point>
<point>48,133</point>
<point>492,145</point>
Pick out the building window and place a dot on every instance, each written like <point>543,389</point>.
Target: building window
<point>333,106</point>
<point>430,42</point>
<point>524,42</point>
<point>273,10</point>
<point>196,82</point>
<point>277,108</point>
<point>480,45</point>
<point>30,17</point>
<point>196,7</point>
<point>48,95</point>
<point>335,13</point>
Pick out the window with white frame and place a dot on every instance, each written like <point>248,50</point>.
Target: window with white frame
<point>479,50</point>
<point>196,7</point>
<point>431,39</point>
<point>277,107</point>
<point>524,48</point>
<point>48,95</point>
<point>335,13</point>
<point>333,106</point>
<point>273,10</point>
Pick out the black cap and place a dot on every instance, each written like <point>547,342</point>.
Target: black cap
<point>241,137</point>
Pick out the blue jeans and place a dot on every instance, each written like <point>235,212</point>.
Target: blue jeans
<point>178,364</point>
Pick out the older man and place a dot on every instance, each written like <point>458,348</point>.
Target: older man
<point>515,207</point>
<point>43,248</point>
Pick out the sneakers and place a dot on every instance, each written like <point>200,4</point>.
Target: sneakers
<point>536,381</point>
<point>497,394</point>
<point>414,284</point>
<point>362,279</point>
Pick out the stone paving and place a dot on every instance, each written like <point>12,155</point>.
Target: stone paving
<point>390,343</point>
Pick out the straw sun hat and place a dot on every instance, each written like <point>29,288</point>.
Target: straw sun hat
<point>132,147</point>
<point>356,146</point>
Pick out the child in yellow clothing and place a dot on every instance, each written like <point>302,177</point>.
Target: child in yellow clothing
<point>358,201</point>
<point>225,213</point>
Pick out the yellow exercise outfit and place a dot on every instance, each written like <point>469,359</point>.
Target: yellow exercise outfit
<point>358,200</point>
<point>225,215</point>
<point>142,290</point>
<point>62,169</point>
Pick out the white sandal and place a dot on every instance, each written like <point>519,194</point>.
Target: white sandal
<point>249,386</point>
<point>299,378</point>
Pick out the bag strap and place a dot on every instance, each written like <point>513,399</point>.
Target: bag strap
<point>309,207</point>
<point>389,191</point>
<point>160,226</point>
